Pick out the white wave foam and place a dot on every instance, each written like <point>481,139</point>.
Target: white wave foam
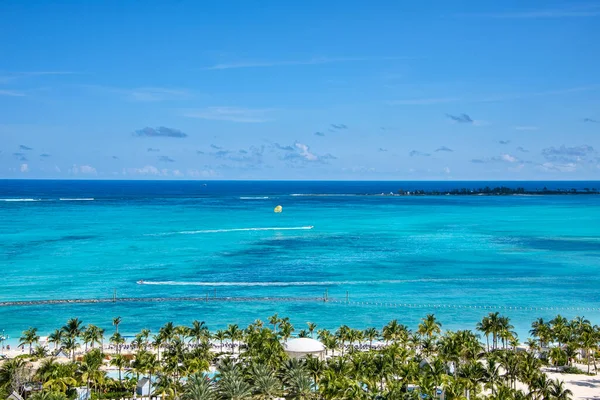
<point>254,198</point>
<point>16,200</point>
<point>292,228</point>
<point>333,283</point>
<point>78,199</point>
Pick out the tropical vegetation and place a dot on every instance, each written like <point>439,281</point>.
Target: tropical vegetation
<point>395,362</point>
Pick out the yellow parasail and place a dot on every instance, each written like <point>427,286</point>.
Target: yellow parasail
<point>278,209</point>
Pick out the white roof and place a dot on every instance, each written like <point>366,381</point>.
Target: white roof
<point>304,345</point>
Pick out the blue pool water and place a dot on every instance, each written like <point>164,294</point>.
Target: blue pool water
<point>190,238</point>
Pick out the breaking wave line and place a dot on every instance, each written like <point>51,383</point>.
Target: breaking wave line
<point>17,200</point>
<point>333,283</point>
<point>78,199</point>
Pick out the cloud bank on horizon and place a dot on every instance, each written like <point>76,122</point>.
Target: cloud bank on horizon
<point>326,99</point>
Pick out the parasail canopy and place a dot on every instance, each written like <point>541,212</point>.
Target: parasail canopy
<point>278,209</point>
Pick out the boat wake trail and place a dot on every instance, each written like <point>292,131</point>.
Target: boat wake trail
<point>292,228</point>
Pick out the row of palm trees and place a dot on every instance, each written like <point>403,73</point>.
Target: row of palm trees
<point>405,364</point>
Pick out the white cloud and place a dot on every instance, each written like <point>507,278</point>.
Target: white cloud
<point>24,168</point>
<point>508,158</point>
<point>147,170</point>
<point>305,152</point>
<point>82,169</point>
<point>87,169</point>
<point>446,170</point>
<point>177,173</point>
<point>233,114</point>
<point>207,173</point>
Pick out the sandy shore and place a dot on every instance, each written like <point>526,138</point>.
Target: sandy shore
<point>584,387</point>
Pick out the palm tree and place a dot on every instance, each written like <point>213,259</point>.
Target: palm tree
<point>234,333</point>
<point>199,331</point>
<point>232,386</point>
<point>371,334</point>
<point>55,337</point>
<point>90,367</point>
<point>429,326</point>
<point>116,321</point>
<point>286,330</point>
<point>274,320</point>
<point>117,340</point>
<point>589,341</point>
<point>120,362</point>
<point>73,328</point>
<point>48,396</point>
<point>13,373</point>
<point>70,345</point>
<point>486,328</point>
<point>29,337</point>
<point>311,328</point>
<point>558,391</point>
<point>91,335</point>
<point>198,388</point>
<point>265,384</point>
<point>220,335</point>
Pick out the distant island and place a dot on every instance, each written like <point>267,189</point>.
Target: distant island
<point>497,191</point>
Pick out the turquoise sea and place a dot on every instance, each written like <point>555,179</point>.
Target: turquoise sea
<point>86,239</point>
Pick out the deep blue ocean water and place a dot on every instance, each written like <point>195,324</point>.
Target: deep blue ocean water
<point>190,238</point>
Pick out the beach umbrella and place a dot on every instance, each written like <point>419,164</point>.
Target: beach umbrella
<point>278,209</point>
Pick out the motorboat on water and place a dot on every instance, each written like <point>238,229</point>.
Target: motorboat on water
<point>140,282</point>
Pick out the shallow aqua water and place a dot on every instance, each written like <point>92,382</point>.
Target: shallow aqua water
<point>188,240</point>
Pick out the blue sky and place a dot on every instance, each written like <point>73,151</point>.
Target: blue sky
<point>300,90</point>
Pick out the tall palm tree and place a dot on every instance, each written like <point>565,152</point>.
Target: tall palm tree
<point>91,335</point>
<point>274,320</point>
<point>70,345</point>
<point>311,328</point>
<point>120,362</point>
<point>485,327</point>
<point>116,321</point>
<point>286,330</point>
<point>429,326</point>
<point>234,333</point>
<point>371,334</point>
<point>55,338</point>
<point>220,335</point>
<point>199,331</point>
<point>117,340</point>
<point>29,337</point>
<point>73,328</point>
